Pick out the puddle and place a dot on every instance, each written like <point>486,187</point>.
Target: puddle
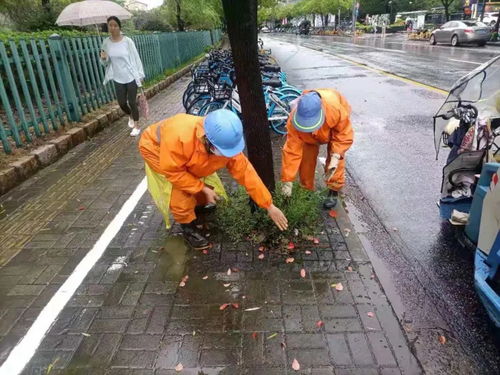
<point>172,260</point>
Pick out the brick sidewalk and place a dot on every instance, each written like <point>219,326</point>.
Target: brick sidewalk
<point>131,317</point>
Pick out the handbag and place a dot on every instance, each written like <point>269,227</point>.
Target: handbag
<point>143,105</point>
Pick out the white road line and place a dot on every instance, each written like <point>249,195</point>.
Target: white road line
<point>26,348</point>
<point>465,61</point>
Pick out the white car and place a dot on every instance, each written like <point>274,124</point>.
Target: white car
<point>490,18</point>
<point>265,29</point>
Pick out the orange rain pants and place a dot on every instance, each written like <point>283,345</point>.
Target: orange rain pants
<point>300,152</point>
<point>175,148</point>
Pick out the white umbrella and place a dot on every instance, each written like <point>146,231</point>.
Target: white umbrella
<point>91,12</point>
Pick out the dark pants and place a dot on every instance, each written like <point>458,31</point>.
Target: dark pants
<point>126,94</point>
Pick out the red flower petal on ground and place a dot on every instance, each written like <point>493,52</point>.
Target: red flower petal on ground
<point>223,306</point>
<point>316,241</point>
<point>308,252</point>
<point>303,273</point>
<point>262,248</point>
<point>319,324</point>
<point>370,314</point>
<point>235,305</point>
<point>442,339</point>
<point>332,213</point>
<point>179,367</point>
<point>295,365</point>
<point>291,246</point>
<point>205,251</point>
<point>82,208</point>
<point>254,335</point>
<point>261,256</point>
<point>290,260</point>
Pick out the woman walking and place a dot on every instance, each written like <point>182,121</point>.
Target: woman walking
<point>123,66</point>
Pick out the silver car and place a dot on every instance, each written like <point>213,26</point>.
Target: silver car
<point>465,31</point>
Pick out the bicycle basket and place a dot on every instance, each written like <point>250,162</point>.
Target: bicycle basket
<point>200,85</point>
<point>220,91</point>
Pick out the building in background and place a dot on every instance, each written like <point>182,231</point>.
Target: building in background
<point>136,5</point>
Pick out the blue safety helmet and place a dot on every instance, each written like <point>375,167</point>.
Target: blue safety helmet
<point>224,131</point>
<point>309,115</point>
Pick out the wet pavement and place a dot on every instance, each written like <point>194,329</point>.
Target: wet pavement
<point>439,66</point>
<point>394,183</point>
<point>131,315</point>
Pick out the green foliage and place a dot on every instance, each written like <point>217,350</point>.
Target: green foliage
<point>194,14</point>
<point>302,8</point>
<point>235,220</point>
<point>153,20</point>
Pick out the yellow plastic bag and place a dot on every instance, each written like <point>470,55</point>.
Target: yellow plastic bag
<point>161,190</point>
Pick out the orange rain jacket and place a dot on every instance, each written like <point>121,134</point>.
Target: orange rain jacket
<point>175,148</point>
<point>301,149</point>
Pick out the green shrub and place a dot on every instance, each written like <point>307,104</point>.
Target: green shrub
<point>236,222</point>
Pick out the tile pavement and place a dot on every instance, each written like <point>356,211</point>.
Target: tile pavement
<point>131,317</point>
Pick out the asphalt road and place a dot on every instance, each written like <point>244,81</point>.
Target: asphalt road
<point>394,88</point>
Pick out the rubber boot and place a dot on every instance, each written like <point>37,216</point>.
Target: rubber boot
<point>331,200</point>
<point>194,237</point>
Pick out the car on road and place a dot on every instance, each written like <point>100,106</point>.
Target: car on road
<point>461,32</point>
<point>490,19</point>
<point>265,29</point>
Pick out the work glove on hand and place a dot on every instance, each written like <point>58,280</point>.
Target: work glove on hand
<point>332,166</point>
<point>286,189</point>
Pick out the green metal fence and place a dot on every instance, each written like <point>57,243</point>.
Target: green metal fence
<point>46,83</point>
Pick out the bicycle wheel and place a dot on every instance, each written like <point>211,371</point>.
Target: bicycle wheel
<point>197,104</point>
<point>210,107</point>
<point>278,113</point>
<point>187,93</point>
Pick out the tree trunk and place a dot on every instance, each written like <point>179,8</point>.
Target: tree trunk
<point>180,22</point>
<point>497,27</point>
<point>241,18</point>
<point>46,5</point>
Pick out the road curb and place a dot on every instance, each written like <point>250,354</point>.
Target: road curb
<point>22,169</point>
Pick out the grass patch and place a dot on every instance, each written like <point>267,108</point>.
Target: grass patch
<point>236,222</point>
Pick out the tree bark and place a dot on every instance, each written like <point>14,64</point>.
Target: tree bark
<point>241,19</point>
<point>497,24</point>
<point>180,22</point>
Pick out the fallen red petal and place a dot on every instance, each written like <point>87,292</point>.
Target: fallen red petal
<point>303,273</point>
<point>235,305</point>
<point>316,241</point>
<point>319,324</point>
<point>308,252</point>
<point>370,314</point>
<point>254,335</point>
<point>289,260</point>
<point>223,306</point>
<point>332,213</point>
<point>261,256</point>
<point>442,339</point>
<point>291,246</point>
<point>205,251</point>
<point>179,367</point>
<point>295,365</point>
<point>82,208</point>
<point>262,248</point>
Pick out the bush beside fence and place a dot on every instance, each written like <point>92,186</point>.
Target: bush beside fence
<point>45,83</point>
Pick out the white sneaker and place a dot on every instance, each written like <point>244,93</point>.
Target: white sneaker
<point>131,122</point>
<point>135,132</point>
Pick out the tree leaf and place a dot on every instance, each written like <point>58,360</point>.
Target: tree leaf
<point>272,336</point>
<point>295,365</point>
